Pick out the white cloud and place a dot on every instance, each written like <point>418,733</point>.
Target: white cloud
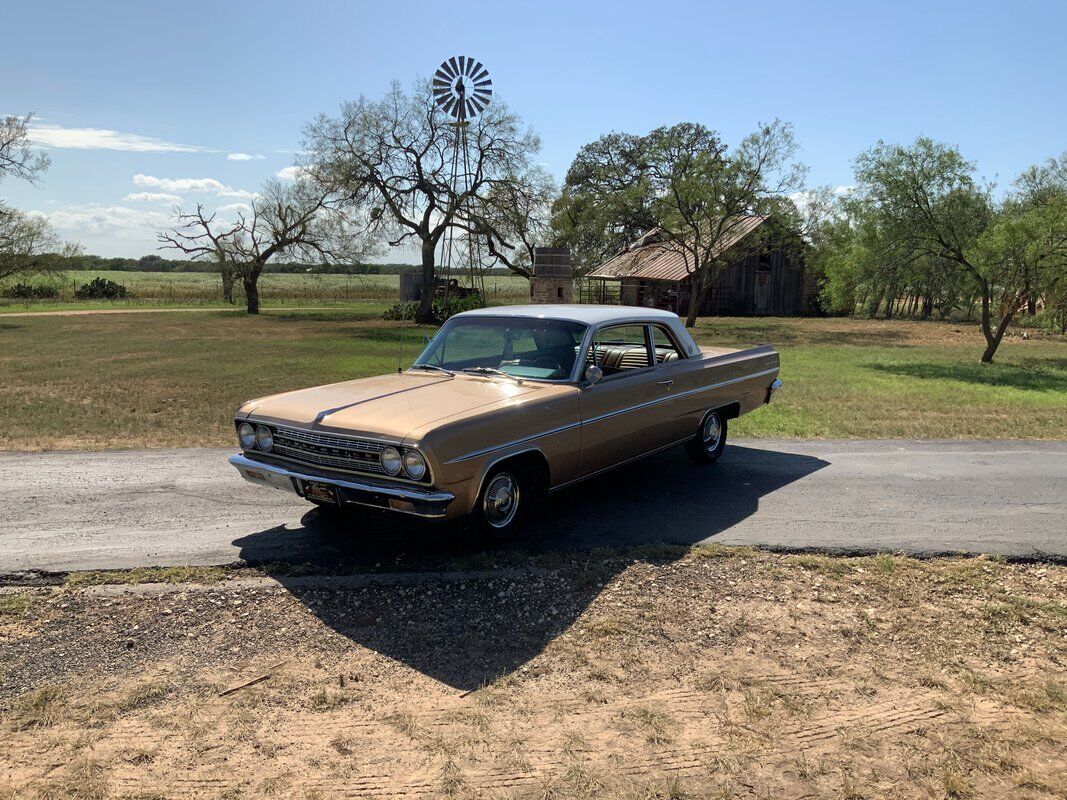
<point>103,139</point>
<point>195,185</point>
<point>244,157</point>
<point>288,173</point>
<point>77,220</point>
<point>234,207</point>
<point>153,197</point>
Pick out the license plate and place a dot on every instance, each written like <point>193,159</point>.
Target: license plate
<point>320,491</point>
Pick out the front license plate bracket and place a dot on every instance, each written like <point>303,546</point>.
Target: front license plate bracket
<point>323,492</point>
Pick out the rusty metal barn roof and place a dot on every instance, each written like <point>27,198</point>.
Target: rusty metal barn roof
<point>655,261</point>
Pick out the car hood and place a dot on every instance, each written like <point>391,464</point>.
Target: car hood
<point>389,406</point>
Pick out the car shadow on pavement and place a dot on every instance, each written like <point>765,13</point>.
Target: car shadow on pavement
<point>442,603</point>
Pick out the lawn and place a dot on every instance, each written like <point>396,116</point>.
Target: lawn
<point>174,379</point>
<point>155,289</point>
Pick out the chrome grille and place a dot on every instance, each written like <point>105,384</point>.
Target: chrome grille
<point>359,455</point>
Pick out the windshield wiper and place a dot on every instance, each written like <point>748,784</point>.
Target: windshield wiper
<point>433,367</point>
<point>491,371</point>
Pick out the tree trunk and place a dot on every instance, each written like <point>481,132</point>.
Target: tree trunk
<point>890,303</point>
<point>424,313</point>
<point>229,278</point>
<point>876,302</point>
<point>928,308</point>
<point>251,286</point>
<point>993,337</point>
<point>696,298</point>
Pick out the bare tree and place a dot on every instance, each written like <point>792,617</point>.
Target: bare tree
<point>296,220</point>
<point>26,240</point>
<point>394,157</point>
<point>17,158</point>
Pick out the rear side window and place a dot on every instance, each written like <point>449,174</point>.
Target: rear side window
<point>664,346</point>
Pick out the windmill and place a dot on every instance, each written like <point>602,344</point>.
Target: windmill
<point>462,89</point>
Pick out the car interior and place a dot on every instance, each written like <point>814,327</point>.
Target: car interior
<point>625,347</point>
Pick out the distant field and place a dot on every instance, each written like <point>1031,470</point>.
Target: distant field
<point>203,288</point>
<point>174,379</point>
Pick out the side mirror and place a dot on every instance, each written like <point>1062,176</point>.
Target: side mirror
<point>593,374</point>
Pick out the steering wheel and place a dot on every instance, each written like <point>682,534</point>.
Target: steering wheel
<point>548,363</point>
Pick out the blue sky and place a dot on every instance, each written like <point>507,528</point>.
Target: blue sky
<point>183,86</point>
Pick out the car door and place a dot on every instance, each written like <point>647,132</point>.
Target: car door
<point>620,419</point>
<point>679,375</point>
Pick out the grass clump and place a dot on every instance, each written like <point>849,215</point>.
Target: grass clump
<point>146,575</point>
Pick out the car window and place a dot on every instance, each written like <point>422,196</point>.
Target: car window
<point>664,345</point>
<point>525,347</point>
<point>619,348</point>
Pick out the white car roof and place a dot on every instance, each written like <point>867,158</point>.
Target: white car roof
<point>586,314</point>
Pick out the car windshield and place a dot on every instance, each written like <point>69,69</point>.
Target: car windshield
<point>522,347</point>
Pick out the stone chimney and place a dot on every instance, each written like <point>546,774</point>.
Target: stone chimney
<point>553,277</point>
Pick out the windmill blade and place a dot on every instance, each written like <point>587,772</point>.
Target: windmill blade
<point>477,76</point>
<point>445,71</point>
<point>455,66</point>
<point>462,65</point>
<point>479,106</point>
<point>486,82</point>
<point>475,69</point>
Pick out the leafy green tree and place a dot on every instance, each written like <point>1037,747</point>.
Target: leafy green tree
<point>606,202</point>
<point>934,216</point>
<point>684,181</point>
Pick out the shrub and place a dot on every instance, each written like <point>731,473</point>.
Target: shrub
<point>442,309</point>
<point>24,291</point>
<point>100,289</point>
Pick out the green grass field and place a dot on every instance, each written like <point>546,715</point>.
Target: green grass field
<point>174,379</point>
<point>161,289</point>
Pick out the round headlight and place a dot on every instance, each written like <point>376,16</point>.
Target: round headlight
<point>246,435</point>
<point>414,464</point>
<point>390,459</point>
<point>264,438</point>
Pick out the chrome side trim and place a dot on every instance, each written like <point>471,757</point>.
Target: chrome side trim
<point>676,395</point>
<point>672,396</point>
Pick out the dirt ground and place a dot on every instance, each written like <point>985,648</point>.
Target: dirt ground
<point>651,673</point>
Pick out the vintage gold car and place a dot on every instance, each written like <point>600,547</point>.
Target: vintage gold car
<point>503,405</point>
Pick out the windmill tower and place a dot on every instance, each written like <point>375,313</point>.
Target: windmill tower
<point>463,89</point>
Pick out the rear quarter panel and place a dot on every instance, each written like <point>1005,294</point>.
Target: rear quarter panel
<point>718,378</point>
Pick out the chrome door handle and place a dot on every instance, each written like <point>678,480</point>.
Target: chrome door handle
<point>667,383</point>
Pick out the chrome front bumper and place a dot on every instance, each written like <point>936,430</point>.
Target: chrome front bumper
<point>417,502</point>
<point>774,387</point>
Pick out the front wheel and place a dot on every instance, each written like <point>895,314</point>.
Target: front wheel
<point>502,505</point>
<point>708,444</point>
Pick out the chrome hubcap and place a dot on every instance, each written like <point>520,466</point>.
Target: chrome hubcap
<point>712,432</point>
<point>501,500</point>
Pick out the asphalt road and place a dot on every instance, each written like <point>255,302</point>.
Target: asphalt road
<point>74,511</point>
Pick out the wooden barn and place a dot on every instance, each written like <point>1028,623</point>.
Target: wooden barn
<point>764,275</point>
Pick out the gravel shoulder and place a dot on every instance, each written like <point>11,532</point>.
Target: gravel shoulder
<point>652,672</point>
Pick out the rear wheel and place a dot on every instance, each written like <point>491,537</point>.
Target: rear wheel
<point>708,444</point>
<point>503,503</point>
